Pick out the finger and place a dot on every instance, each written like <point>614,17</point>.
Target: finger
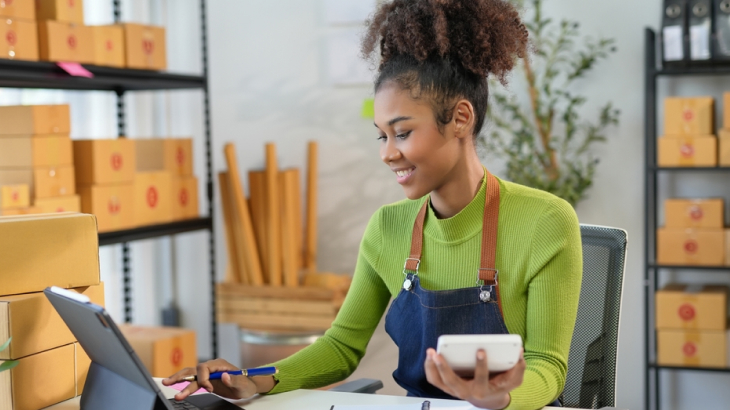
<point>455,383</point>
<point>481,370</point>
<point>187,391</point>
<point>179,376</point>
<point>432,374</point>
<point>203,375</point>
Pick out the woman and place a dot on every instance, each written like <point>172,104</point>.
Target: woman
<point>460,225</point>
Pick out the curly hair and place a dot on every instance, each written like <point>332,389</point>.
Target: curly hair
<point>444,50</point>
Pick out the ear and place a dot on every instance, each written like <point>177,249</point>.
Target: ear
<point>464,119</point>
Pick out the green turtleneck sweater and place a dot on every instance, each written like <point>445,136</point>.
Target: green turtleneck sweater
<point>539,258</point>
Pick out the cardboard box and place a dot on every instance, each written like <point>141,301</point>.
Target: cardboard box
<point>692,247</point>
<point>43,250</point>
<point>83,361</point>
<point>695,307</point>
<point>163,350</point>
<point>42,151</point>
<point>58,204</point>
<point>34,324</point>
<point>58,41</point>
<point>31,210</point>
<point>724,151</point>
<point>40,380</point>
<point>14,196</point>
<point>18,39</point>
<point>694,213</point>
<point>152,198</point>
<point>689,116</point>
<point>168,154</point>
<point>687,151</point>
<point>692,348</point>
<point>19,9</point>
<point>43,182</point>
<point>35,119</point>
<point>184,198</point>
<point>113,205</point>
<point>727,247</point>
<point>108,46</point>
<point>68,11</point>
<point>108,161</point>
<point>145,47</point>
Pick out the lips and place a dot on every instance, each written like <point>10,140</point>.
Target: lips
<point>403,175</point>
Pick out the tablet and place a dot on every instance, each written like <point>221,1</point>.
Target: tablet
<point>460,351</point>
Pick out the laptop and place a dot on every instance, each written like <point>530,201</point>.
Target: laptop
<point>117,379</point>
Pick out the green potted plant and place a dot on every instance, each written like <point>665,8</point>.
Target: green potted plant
<point>8,364</point>
<point>546,143</point>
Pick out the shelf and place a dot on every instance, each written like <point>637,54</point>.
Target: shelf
<point>34,74</point>
<point>692,368</point>
<point>154,231</point>
<point>690,169</point>
<point>709,268</point>
<point>693,70</point>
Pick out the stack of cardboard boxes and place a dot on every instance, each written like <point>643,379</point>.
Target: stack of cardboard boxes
<point>18,30</point>
<point>691,323</point>
<point>38,252</point>
<point>62,35</point>
<point>35,151</point>
<point>724,137</point>
<point>693,233</point>
<point>689,139</point>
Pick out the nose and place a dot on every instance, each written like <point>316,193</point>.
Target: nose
<point>388,151</point>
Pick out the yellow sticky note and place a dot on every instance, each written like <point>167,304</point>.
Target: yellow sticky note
<point>368,109</point>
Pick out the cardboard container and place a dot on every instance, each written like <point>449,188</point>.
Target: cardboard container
<point>108,161</point>
<point>18,39</point>
<point>40,380</point>
<point>163,350</point>
<point>43,250</point>
<point>58,204</point>
<point>42,151</point>
<point>152,198</point>
<point>59,41</point>
<point>113,205</point>
<point>34,324</point>
<point>692,247</point>
<point>694,213</point>
<point>169,154</point>
<point>687,151</point>
<point>689,116</point>
<point>68,11</point>
<point>31,210</point>
<point>43,182</point>
<point>35,119</point>
<point>14,196</point>
<point>83,361</point>
<point>724,150</point>
<point>145,47</point>
<point>692,348</point>
<point>108,46</point>
<point>184,198</point>
<point>19,9</point>
<point>727,247</point>
<point>696,307</point>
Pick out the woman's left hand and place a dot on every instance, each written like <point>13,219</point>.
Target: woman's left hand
<point>481,391</point>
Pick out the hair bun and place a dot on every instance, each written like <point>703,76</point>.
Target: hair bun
<point>483,36</point>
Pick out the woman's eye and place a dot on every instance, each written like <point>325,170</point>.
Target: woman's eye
<point>403,136</point>
<point>382,137</point>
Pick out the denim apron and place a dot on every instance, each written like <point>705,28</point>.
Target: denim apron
<point>417,317</point>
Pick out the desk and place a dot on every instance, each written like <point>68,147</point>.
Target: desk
<point>309,400</point>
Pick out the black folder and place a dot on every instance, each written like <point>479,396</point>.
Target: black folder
<point>699,13</point>
<point>674,44</point>
<point>721,30</point>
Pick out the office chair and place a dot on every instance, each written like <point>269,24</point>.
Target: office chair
<point>591,379</point>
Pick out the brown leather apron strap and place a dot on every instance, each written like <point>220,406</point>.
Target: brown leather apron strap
<point>487,266</point>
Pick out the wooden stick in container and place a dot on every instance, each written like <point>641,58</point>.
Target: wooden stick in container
<point>288,228</point>
<point>310,243</point>
<point>273,231</point>
<point>234,272</point>
<point>257,188</point>
<point>247,246</point>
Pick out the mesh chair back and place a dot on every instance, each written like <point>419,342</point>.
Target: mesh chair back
<point>591,378</point>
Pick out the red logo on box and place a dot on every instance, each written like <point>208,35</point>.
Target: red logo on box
<point>177,356</point>
<point>71,41</point>
<point>59,209</point>
<point>71,3</point>
<point>148,46</point>
<point>687,150</point>
<point>152,197</point>
<point>180,156</point>
<point>689,349</point>
<point>14,196</point>
<point>696,213</point>
<point>114,205</point>
<point>117,161</point>
<point>686,312</point>
<point>688,115</point>
<point>690,246</point>
<point>11,37</point>
<point>183,197</point>
<point>8,2</point>
<point>109,45</point>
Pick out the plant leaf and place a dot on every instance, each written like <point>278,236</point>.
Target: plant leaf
<point>6,344</point>
<point>8,365</point>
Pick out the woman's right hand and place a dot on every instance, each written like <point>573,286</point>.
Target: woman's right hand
<point>232,387</point>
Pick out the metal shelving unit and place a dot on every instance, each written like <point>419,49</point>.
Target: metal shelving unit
<point>30,74</point>
<point>652,73</point>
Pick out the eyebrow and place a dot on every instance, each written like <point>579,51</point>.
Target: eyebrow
<point>395,120</point>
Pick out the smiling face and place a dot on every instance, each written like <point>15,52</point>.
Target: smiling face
<point>422,157</point>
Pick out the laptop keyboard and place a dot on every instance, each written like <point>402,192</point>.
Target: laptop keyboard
<point>182,405</point>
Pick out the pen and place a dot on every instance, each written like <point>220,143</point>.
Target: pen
<point>261,371</point>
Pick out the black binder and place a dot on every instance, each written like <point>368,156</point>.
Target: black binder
<point>699,13</point>
<point>721,30</point>
<point>674,35</point>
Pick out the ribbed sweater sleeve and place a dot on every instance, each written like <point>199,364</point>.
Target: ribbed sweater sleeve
<point>554,280</point>
<point>334,356</point>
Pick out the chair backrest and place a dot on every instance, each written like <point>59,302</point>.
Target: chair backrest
<point>591,379</point>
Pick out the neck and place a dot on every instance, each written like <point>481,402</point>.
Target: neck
<point>459,190</point>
